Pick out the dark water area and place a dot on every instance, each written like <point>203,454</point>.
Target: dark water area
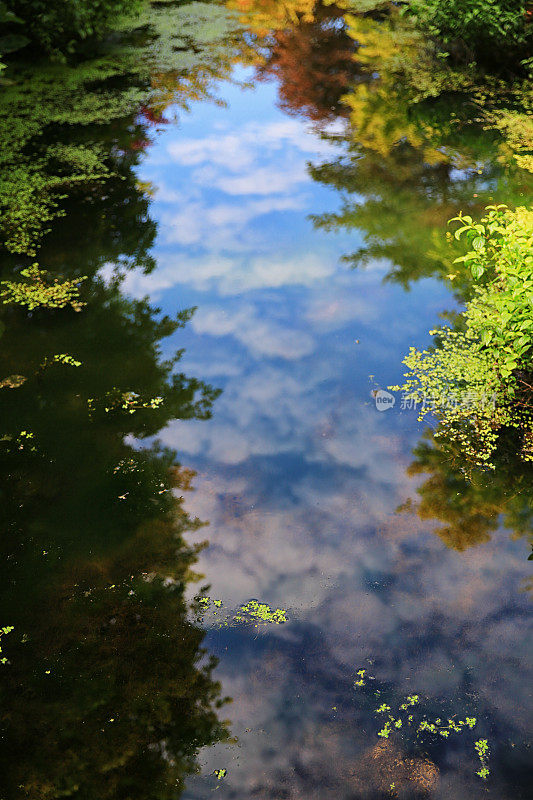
<point>151,456</point>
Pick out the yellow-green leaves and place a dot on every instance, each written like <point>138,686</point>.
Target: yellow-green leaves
<point>39,290</point>
<point>3,632</point>
<point>477,378</point>
<point>253,612</point>
<point>482,749</point>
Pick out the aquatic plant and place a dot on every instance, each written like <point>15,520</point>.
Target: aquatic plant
<point>253,612</point>
<point>220,773</point>
<point>3,632</point>
<point>410,717</point>
<point>116,400</point>
<point>482,749</point>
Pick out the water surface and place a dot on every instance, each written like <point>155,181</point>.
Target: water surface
<point>248,206</point>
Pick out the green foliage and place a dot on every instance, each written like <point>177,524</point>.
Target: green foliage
<point>40,291</point>
<point>251,613</point>
<point>491,31</point>
<point>478,380</point>
<point>53,117</point>
<point>57,26</point>
<point>482,749</point>
<point>501,313</point>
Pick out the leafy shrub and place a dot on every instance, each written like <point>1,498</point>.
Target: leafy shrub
<point>491,31</point>
<point>478,380</point>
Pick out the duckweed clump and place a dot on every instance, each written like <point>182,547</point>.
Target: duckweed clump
<point>4,631</point>
<point>252,612</point>
<point>482,749</point>
<point>220,773</point>
<point>423,726</point>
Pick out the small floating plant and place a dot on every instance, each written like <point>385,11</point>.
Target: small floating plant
<point>251,613</point>
<point>410,715</point>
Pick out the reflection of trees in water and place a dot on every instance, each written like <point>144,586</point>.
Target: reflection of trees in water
<point>414,154</point>
<point>416,147</point>
<point>468,502</point>
<point>55,118</point>
<point>314,64</point>
<point>272,15</point>
<point>108,691</point>
<point>401,203</point>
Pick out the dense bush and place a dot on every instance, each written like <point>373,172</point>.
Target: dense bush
<point>478,380</point>
<point>56,26</point>
<point>489,31</point>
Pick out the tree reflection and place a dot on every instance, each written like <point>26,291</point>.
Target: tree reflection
<point>108,691</point>
<point>313,62</point>
<point>416,145</point>
<point>471,503</point>
<point>400,201</point>
<point>415,140</point>
<point>414,149</point>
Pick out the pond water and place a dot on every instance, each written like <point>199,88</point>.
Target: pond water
<point>248,202</point>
